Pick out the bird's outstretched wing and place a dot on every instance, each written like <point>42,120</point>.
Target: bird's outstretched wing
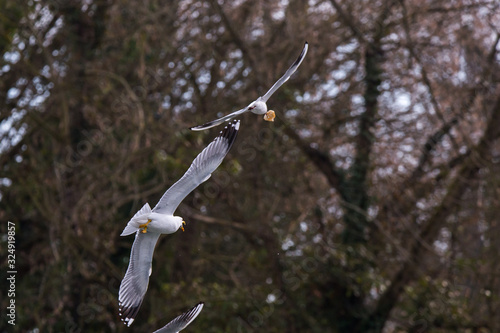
<point>182,321</point>
<point>136,280</point>
<point>200,170</point>
<point>287,74</point>
<point>219,121</point>
<point>264,98</point>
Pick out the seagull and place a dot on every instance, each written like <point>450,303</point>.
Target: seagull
<point>148,224</point>
<point>182,321</point>
<point>259,106</point>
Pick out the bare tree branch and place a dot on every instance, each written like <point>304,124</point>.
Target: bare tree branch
<point>433,225</point>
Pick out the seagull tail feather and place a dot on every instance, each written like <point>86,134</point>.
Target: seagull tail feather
<point>139,218</point>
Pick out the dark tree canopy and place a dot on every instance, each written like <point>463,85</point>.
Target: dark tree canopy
<point>369,205</point>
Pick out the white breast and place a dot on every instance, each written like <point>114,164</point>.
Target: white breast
<point>164,224</point>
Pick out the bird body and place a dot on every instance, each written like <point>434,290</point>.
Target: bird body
<point>259,106</point>
<point>153,222</point>
<point>164,224</point>
<point>148,224</point>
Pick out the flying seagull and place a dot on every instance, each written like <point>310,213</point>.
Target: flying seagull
<point>148,224</point>
<point>259,106</point>
<point>182,321</point>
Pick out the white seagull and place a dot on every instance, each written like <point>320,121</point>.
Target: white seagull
<point>182,321</point>
<point>148,224</point>
<point>259,106</point>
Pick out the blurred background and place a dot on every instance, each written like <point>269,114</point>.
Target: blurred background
<point>371,204</point>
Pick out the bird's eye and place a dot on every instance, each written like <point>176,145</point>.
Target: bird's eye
<point>251,107</point>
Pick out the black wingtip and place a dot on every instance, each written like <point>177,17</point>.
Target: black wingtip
<point>229,132</point>
<point>197,305</point>
<point>304,50</point>
<point>128,313</point>
<point>200,127</point>
<point>301,56</point>
<point>208,125</point>
<point>190,312</point>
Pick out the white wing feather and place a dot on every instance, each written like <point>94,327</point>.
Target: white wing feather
<point>182,321</point>
<point>135,283</point>
<point>219,121</point>
<point>199,171</point>
<point>287,74</point>
<point>139,218</point>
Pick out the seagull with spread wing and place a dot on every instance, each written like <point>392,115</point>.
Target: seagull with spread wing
<point>259,106</point>
<point>148,224</point>
<point>181,322</point>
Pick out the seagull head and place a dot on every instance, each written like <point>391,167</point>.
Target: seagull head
<point>179,223</point>
<point>258,107</point>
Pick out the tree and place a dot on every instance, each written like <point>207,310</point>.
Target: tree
<point>368,205</point>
